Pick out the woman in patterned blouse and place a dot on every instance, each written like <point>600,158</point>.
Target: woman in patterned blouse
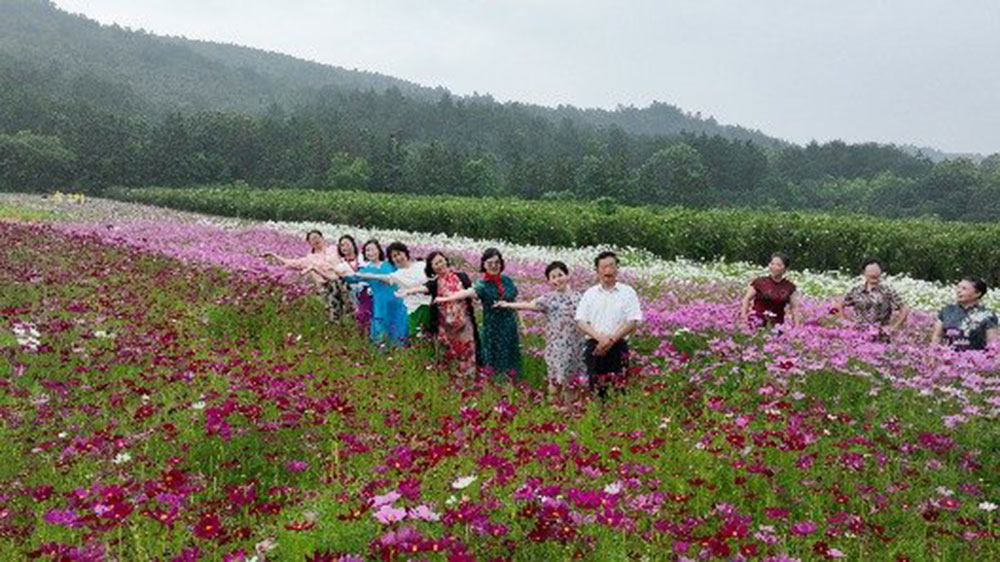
<point>967,324</point>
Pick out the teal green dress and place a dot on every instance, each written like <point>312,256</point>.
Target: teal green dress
<point>500,340</point>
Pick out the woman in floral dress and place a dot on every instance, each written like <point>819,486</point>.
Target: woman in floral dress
<point>452,319</point>
<point>501,346</point>
<point>563,342</point>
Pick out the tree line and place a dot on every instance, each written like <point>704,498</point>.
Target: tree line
<point>78,131</point>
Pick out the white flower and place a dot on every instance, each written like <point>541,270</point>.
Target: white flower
<point>122,458</point>
<point>945,491</point>
<point>613,488</point>
<point>63,435</point>
<point>463,482</point>
<point>452,500</point>
<point>265,545</point>
<point>988,506</point>
<point>199,405</point>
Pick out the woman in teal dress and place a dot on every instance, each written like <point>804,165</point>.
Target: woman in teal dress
<point>389,322</point>
<point>501,345</point>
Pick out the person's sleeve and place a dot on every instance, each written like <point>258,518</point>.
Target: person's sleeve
<point>849,300</point>
<point>634,310</point>
<point>480,288</point>
<point>583,309</point>
<point>512,294</point>
<point>991,321</point>
<point>542,302</point>
<point>941,314</point>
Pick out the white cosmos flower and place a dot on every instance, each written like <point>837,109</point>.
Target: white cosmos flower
<point>988,506</point>
<point>463,482</point>
<point>122,458</point>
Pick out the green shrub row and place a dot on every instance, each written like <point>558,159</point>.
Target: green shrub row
<point>924,248</point>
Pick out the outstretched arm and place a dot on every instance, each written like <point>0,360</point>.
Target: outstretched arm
<point>530,306</point>
<point>415,290</point>
<point>466,294</point>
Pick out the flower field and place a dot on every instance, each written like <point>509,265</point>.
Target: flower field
<point>167,395</point>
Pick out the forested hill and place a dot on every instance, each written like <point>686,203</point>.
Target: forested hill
<point>170,72</point>
<point>85,106</point>
<point>154,74</point>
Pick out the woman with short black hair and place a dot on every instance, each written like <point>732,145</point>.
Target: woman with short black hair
<point>453,320</point>
<point>966,324</point>
<point>771,298</point>
<point>564,344</point>
<point>388,320</point>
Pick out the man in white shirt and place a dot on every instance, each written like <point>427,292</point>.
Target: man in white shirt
<point>608,312</point>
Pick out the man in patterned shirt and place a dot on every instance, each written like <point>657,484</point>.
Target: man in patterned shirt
<point>874,303</point>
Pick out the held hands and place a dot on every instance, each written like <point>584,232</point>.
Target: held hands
<point>604,343</point>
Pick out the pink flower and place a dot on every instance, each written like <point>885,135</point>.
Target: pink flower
<point>296,466</point>
<point>387,499</point>
<point>424,513</point>
<point>387,515</point>
<point>803,528</point>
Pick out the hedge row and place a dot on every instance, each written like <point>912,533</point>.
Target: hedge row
<point>924,248</point>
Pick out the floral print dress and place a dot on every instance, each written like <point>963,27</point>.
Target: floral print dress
<point>456,326</point>
<point>564,343</point>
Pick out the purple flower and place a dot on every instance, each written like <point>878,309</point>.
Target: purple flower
<point>803,528</point>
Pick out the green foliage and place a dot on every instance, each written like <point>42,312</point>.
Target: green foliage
<point>925,248</point>
<point>347,172</point>
<point>30,162</point>
<point>673,176</point>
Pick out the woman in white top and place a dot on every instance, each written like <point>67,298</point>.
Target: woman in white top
<point>408,274</point>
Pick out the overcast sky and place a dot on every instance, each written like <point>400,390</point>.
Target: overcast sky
<point>904,71</point>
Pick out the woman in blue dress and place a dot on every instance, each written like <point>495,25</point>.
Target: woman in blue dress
<point>389,321</point>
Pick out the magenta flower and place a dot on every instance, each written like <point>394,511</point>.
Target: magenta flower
<point>803,528</point>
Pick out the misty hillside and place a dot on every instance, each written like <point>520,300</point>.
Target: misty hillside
<point>138,71</point>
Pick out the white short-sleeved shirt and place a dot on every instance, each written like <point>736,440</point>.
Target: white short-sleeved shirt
<point>412,276</point>
<point>607,310</point>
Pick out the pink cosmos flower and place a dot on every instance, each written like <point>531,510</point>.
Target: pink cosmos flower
<point>387,515</point>
<point>803,528</point>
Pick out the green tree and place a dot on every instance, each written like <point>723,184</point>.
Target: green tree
<point>31,162</point>
<point>675,175</point>
<point>348,172</point>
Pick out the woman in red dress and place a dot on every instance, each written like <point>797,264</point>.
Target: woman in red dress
<point>771,298</point>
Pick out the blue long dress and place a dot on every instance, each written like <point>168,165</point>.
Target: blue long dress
<point>389,319</point>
